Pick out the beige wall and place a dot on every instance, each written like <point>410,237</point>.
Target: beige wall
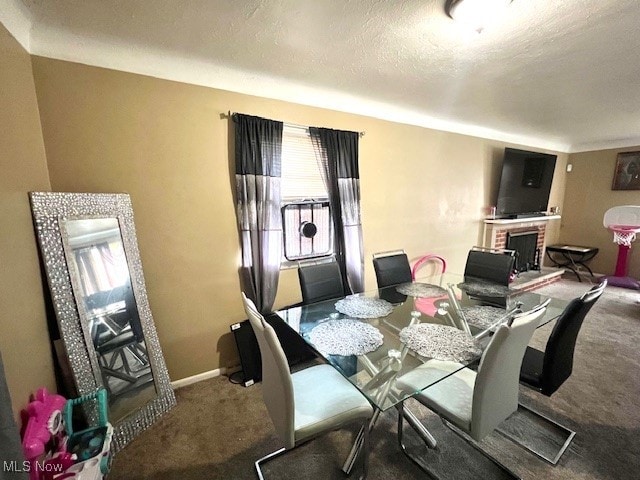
<point>24,339</point>
<point>588,197</point>
<point>165,144</point>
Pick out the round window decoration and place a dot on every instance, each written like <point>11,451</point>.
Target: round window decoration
<point>308,229</point>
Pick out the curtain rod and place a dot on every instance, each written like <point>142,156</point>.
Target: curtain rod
<point>230,114</point>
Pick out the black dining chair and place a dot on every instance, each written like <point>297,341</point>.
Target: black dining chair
<point>494,266</point>
<point>392,268</point>
<point>320,282</point>
<point>547,371</point>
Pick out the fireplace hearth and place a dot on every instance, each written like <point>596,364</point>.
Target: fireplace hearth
<point>501,233</point>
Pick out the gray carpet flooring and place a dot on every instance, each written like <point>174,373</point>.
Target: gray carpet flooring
<point>219,429</point>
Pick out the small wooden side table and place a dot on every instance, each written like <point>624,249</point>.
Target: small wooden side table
<point>572,257</point>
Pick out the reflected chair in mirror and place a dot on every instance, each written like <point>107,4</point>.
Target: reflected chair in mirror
<point>319,282</point>
<point>475,402</point>
<point>123,356</point>
<point>391,268</point>
<point>307,403</point>
<point>547,371</point>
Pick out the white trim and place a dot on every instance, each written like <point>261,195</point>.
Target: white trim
<point>115,54</point>
<point>605,145</point>
<point>183,382</point>
<point>525,221</point>
<point>16,18</point>
<point>50,42</point>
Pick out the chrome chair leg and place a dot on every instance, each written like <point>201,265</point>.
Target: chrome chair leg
<point>366,446</point>
<point>552,460</point>
<point>265,459</point>
<point>401,412</point>
<point>420,429</point>
<point>358,443</point>
<point>362,441</point>
<point>472,443</point>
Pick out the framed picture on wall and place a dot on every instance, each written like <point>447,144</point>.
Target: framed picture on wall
<point>627,174</point>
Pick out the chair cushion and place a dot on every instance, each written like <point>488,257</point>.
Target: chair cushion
<point>531,371</point>
<point>324,399</point>
<point>451,397</point>
<point>119,341</point>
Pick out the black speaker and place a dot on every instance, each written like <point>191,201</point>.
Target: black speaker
<point>295,348</point>
<point>249,352</point>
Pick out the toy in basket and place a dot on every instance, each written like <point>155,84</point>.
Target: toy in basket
<point>43,440</point>
<point>90,446</point>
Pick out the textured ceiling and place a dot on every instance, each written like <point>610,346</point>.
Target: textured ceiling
<point>561,74</point>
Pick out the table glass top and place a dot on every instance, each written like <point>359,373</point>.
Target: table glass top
<point>375,337</point>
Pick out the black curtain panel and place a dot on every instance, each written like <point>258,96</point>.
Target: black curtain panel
<point>337,155</point>
<point>258,144</point>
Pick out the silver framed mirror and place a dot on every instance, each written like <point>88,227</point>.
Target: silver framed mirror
<point>90,253</point>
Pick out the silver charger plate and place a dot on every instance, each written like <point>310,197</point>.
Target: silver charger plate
<point>483,316</point>
<point>364,307</point>
<point>422,290</point>
<point>485,289</point>
<point>440,342</point>
<point>345,337</point>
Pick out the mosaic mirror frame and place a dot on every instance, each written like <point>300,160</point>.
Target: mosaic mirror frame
<point>49,209</point>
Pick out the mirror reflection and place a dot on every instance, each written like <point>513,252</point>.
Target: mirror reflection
<point>109,313</point>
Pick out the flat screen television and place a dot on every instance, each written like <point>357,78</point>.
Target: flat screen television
<point>525,183</point>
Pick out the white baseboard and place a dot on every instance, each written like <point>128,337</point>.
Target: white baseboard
<point>183,382</point>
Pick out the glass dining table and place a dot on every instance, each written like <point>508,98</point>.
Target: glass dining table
<point>375,337</point>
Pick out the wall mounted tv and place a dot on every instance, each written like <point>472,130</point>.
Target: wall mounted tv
<point>525,183</point>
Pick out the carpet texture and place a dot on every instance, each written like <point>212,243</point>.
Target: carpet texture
<point>219,429</point>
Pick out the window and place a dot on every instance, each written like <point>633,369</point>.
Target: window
<point>306,215</point>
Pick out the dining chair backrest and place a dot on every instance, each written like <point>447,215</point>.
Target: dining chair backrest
<point>320,282</point>
<point>495,393</point>
<point>495,267</point>
<point>392,269</point>
<point>424,260</point>
<point>558,356</point>
<point>277,386</point>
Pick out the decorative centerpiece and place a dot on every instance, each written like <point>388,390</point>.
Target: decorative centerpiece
<point>483,316</point>
<point>440,342</point>
<point>363,307</point>
<point>345,337</point>
<point>421,290</point>
<point>485,289</point>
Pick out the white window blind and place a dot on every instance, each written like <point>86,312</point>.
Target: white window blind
<point>304,199</point>
<point>301,177</point>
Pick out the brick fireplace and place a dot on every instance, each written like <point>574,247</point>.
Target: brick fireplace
<point>497,233</point>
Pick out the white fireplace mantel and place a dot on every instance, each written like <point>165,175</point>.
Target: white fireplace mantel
<point>495,229</point>
<point>526,221</point>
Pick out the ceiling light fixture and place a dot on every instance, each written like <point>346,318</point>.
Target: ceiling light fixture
<point>475,13</point>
